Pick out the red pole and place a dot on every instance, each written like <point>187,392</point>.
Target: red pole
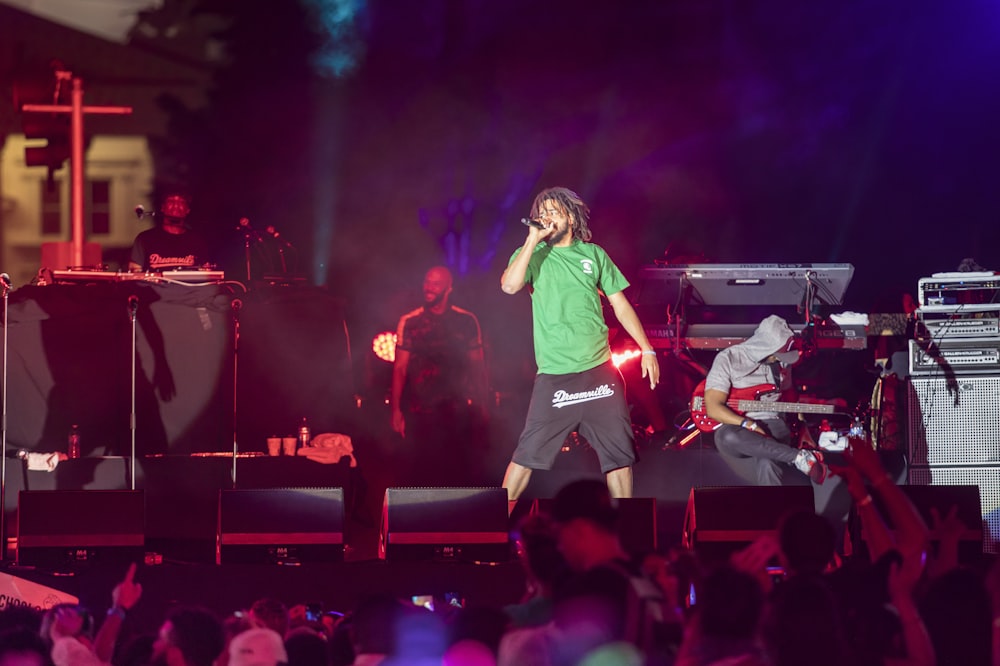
<point>76,173</point>
<point>76,164</point>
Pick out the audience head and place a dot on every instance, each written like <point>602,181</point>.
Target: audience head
<point>66,620</point>
<point>587,499</point>
<point>481,625</point>
<point>420,634</point>
<point>729,604</point>
<point>808,541</point>
<point>305,647</point>
<point>22,647</point>
<point>801,624</point>
<point>587,522</point>
<point>258,646</point>
<point>373,624</point>
<point>232,626</point>
<point>270,614</point>
<point>20,617</point>
<point>538,549</point>
<point>137,652</point>
<point>192,634</point>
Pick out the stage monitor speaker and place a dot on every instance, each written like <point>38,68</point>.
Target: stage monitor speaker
<point>962,492</point>
<point>280,526</point>
<point>636,522</point>
<point>719,521</point>
<point>462,524</point>
<point>953,421</point>
<point>59,528</point>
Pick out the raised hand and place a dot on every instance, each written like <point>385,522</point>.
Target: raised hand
<point>127,593</point>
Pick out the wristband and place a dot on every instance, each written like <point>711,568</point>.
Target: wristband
<point>117,610</point>
<point>744,422</point>
<point>649,351</point>
<point>864,501</point>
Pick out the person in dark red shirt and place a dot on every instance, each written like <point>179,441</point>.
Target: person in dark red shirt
<point>439,384</point>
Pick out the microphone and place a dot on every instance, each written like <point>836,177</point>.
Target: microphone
<point>141,212</point>
<point>528,222</point>
<point>5,280</point>
<point>249,233</point>
<point>273,233</point>
<point>133,303</point>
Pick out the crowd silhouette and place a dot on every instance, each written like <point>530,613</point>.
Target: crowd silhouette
<point>790,597</point>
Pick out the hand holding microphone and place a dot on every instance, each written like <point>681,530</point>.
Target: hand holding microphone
<point>545,231</point>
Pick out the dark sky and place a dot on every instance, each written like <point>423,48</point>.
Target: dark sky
<point>779,131</point>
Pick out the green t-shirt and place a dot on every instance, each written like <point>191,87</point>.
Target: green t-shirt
<point>569,328</point>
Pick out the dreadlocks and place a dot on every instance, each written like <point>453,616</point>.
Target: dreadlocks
<point>570,202</point>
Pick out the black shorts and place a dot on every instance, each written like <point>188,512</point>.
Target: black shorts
<point>592,403</point>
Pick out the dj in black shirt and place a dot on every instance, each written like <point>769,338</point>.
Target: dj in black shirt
<point>171,244</point>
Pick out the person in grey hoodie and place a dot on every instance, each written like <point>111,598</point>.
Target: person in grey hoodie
<point>759,437</point>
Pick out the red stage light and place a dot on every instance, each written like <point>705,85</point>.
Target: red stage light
<point>620,357</point>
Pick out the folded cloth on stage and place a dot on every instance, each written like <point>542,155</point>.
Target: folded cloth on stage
<point>42,462</point>
<point>831,440</point>
<point>850,319</point>
<point>329,448</point>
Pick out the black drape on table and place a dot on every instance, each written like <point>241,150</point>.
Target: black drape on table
<point>69,361</point>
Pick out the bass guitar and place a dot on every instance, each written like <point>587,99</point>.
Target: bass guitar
<point>746,400</point>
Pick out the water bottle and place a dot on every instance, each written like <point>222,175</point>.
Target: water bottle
<point>73,448</point>
<point>304,434</point>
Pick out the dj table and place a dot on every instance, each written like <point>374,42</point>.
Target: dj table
<point>70,362</point>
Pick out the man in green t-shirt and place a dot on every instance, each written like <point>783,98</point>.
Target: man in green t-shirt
<point>577,386</point>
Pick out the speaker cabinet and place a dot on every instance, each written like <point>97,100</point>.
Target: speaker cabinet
<point>965,498</point>
<point>58,528</point>
<point>636,522</point>
<point>953,421</point>
<point>463,524</point>
<point>976,492</point>
<point>280,526</point>
<point>719,521</point>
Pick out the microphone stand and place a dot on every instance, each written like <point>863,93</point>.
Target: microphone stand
<point>236,306</point>
<point>133,308</point>
<point>249,235</point>
<point>680,316</point>
<point>809,298</point>
<point>5,286</point>
<point>282,245</point>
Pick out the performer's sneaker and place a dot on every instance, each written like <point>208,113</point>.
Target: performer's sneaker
<point>811,464</point>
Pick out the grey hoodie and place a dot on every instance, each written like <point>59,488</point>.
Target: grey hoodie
<point>740,366</point>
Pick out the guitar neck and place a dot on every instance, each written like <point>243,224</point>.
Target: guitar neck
<point>744,406</point>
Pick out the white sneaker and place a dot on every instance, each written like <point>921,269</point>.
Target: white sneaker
<point>809,463</point>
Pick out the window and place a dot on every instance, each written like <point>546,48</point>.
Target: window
<point>100,206</point>
<point>51,207</point>
<point>97,205</point>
